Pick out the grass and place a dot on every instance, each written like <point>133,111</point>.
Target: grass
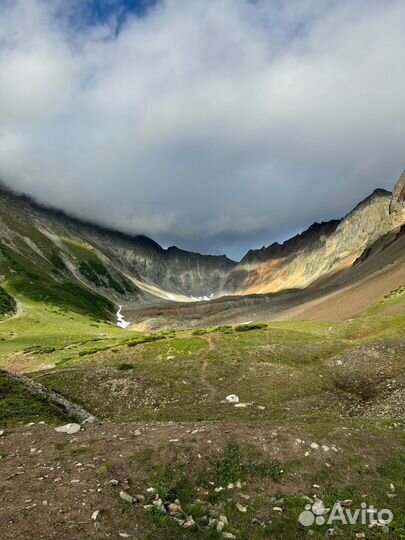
<point>279,369</point>
<point>18,406</point>
<point>323,382</point>
<point>243,473</point>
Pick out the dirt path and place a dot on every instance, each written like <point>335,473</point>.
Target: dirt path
<point>211,340</point>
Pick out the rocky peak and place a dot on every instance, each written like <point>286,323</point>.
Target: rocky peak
<point>398,196</point>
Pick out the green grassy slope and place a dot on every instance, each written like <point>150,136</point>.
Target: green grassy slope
<point>18,406</point>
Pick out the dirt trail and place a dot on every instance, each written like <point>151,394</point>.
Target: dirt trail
<point>211,340</point>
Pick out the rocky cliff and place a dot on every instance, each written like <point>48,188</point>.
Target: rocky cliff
<point>322,249</point>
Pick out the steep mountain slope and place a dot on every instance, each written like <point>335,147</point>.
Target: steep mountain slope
<point>46,255</point>
<point>320,250</point>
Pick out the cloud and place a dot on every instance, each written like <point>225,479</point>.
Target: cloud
<point>214,124</point>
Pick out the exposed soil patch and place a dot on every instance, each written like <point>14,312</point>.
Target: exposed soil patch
<point>52,483</point>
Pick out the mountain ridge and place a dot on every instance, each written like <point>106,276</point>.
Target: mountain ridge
<point>47,250</point>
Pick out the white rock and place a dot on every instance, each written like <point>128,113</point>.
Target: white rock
<point>277,509</point>
<point>224,519</point>
<point>68,428</point>
<point>159,504</point>
<point>261,407</point>
<point>174,508</point>
<point>232,398</point>
<point>228,535</point>
<point>1,432</point>
<point>113,482</point>
<point>127,497</point>
<point>242,405</point>
<point>314,445</point>
<point>189,523</point>
<point>241,508</point>
<point>325,448</point>
<point>94,515</point>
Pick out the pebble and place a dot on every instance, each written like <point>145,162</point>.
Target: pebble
<point>113,482</point>
<point>127,497</point>
<point>314,445</point>
<point>189,523</point>
<point>95,514</point>
<point>68,428</point>
<point>241,508</point>
<point>174,508</point>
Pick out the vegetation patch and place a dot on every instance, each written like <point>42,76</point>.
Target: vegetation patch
<point>66,295</point>
<point>8,305</point>
<point>144,339</point>
<point>249,327</point>
<point>19,406</point>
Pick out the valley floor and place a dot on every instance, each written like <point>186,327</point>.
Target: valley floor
<point>319,418</point>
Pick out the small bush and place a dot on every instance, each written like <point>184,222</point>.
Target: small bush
<point>125,366</point>
<point>249,327</point>
<point>199,332</point>
<point>143,339</point>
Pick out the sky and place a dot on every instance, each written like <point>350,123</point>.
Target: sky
<point>214,125</point>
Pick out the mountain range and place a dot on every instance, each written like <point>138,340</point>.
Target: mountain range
<point>46,255</point>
